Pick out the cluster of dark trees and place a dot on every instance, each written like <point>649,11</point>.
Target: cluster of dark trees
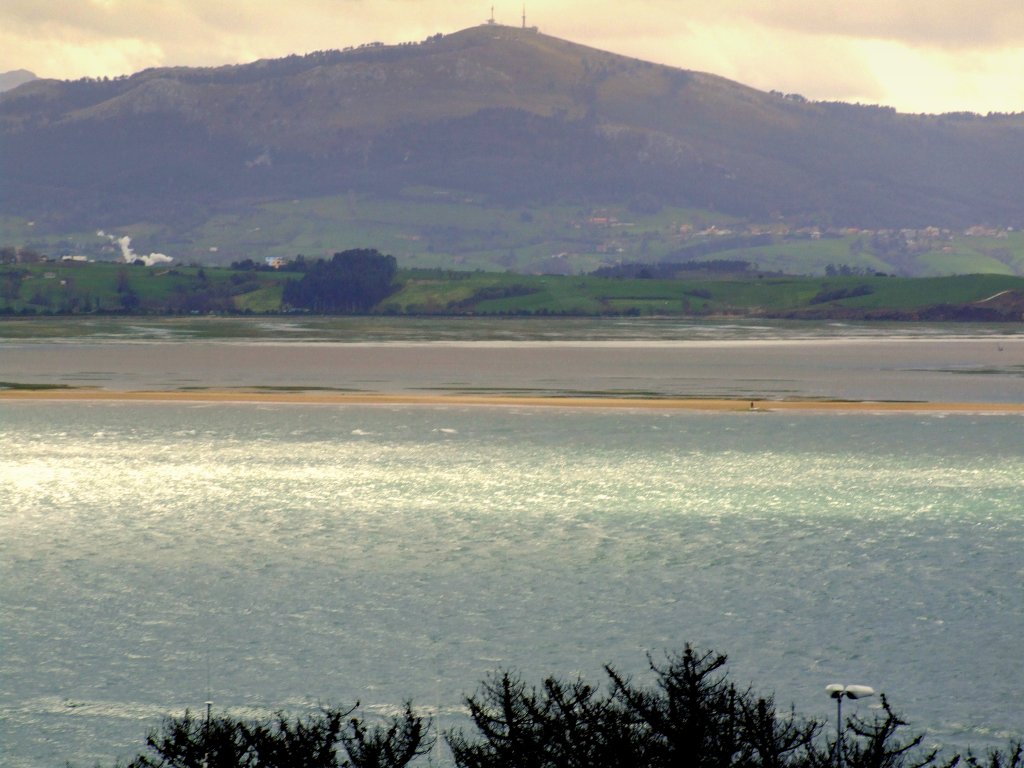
<point>823,297</point>
<point>10,254</point>
<point>351,282</point>
<point>314,742</point>
<point>670,270</point>
<point>693,716</point>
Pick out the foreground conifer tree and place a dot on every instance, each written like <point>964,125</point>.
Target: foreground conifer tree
<point>313,742</point>
<point>690,716</point>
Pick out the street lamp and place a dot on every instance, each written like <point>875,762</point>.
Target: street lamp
<point>839,692</point>
<point>206,735</point>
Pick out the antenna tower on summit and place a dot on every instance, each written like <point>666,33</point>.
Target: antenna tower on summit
<point>524,15</point>
<point>491,20</point>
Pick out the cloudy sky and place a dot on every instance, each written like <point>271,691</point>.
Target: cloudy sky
<point>915,55</point>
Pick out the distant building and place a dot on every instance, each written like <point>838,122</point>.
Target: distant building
<point>276,262</point>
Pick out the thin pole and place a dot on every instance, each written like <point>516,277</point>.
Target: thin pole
<point>839,731</point>
<point>206,739</point>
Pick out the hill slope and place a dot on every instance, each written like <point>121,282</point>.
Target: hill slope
<point>13,79</point>
<point>504,115</point>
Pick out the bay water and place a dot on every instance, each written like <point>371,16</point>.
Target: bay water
<point>275,557</point>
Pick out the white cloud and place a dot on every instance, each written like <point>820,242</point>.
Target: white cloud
<point>977,81</point>
<point>930,23</point>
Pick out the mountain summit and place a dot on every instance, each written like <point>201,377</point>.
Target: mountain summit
<point>13,79</point>
<point>504,114</point>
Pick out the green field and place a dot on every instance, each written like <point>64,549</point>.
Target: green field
<point>437,228</point>
<point>116,288</point>
<point>489,293</point>
<point>109,287</point>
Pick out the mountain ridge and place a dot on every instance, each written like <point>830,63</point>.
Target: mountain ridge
<point>15,78</point>
<point>503,114</point>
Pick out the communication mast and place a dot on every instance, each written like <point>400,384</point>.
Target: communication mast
<point>524,15</point>
<point>491,20</point>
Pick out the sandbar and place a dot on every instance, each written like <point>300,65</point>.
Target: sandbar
<point>320,397</point>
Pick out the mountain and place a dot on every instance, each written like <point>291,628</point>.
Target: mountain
<point>13,79</point>
<point>491,115</point>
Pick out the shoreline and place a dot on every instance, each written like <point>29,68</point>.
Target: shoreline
<point>319,397</point>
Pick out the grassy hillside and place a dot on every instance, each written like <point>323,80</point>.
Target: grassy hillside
<point>427,227</point>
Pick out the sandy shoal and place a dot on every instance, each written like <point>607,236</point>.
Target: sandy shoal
<point>316,397</point>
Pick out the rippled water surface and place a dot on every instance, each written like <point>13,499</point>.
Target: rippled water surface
<point>152,556</point>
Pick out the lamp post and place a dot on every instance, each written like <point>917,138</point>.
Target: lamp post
<point>206,735</point>
<point>839,692</point>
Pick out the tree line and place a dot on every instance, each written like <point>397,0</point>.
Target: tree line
<point>351,282</point>
<point>692,716</point>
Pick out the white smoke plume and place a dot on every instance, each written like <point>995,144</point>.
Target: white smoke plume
<point>130,256</point>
